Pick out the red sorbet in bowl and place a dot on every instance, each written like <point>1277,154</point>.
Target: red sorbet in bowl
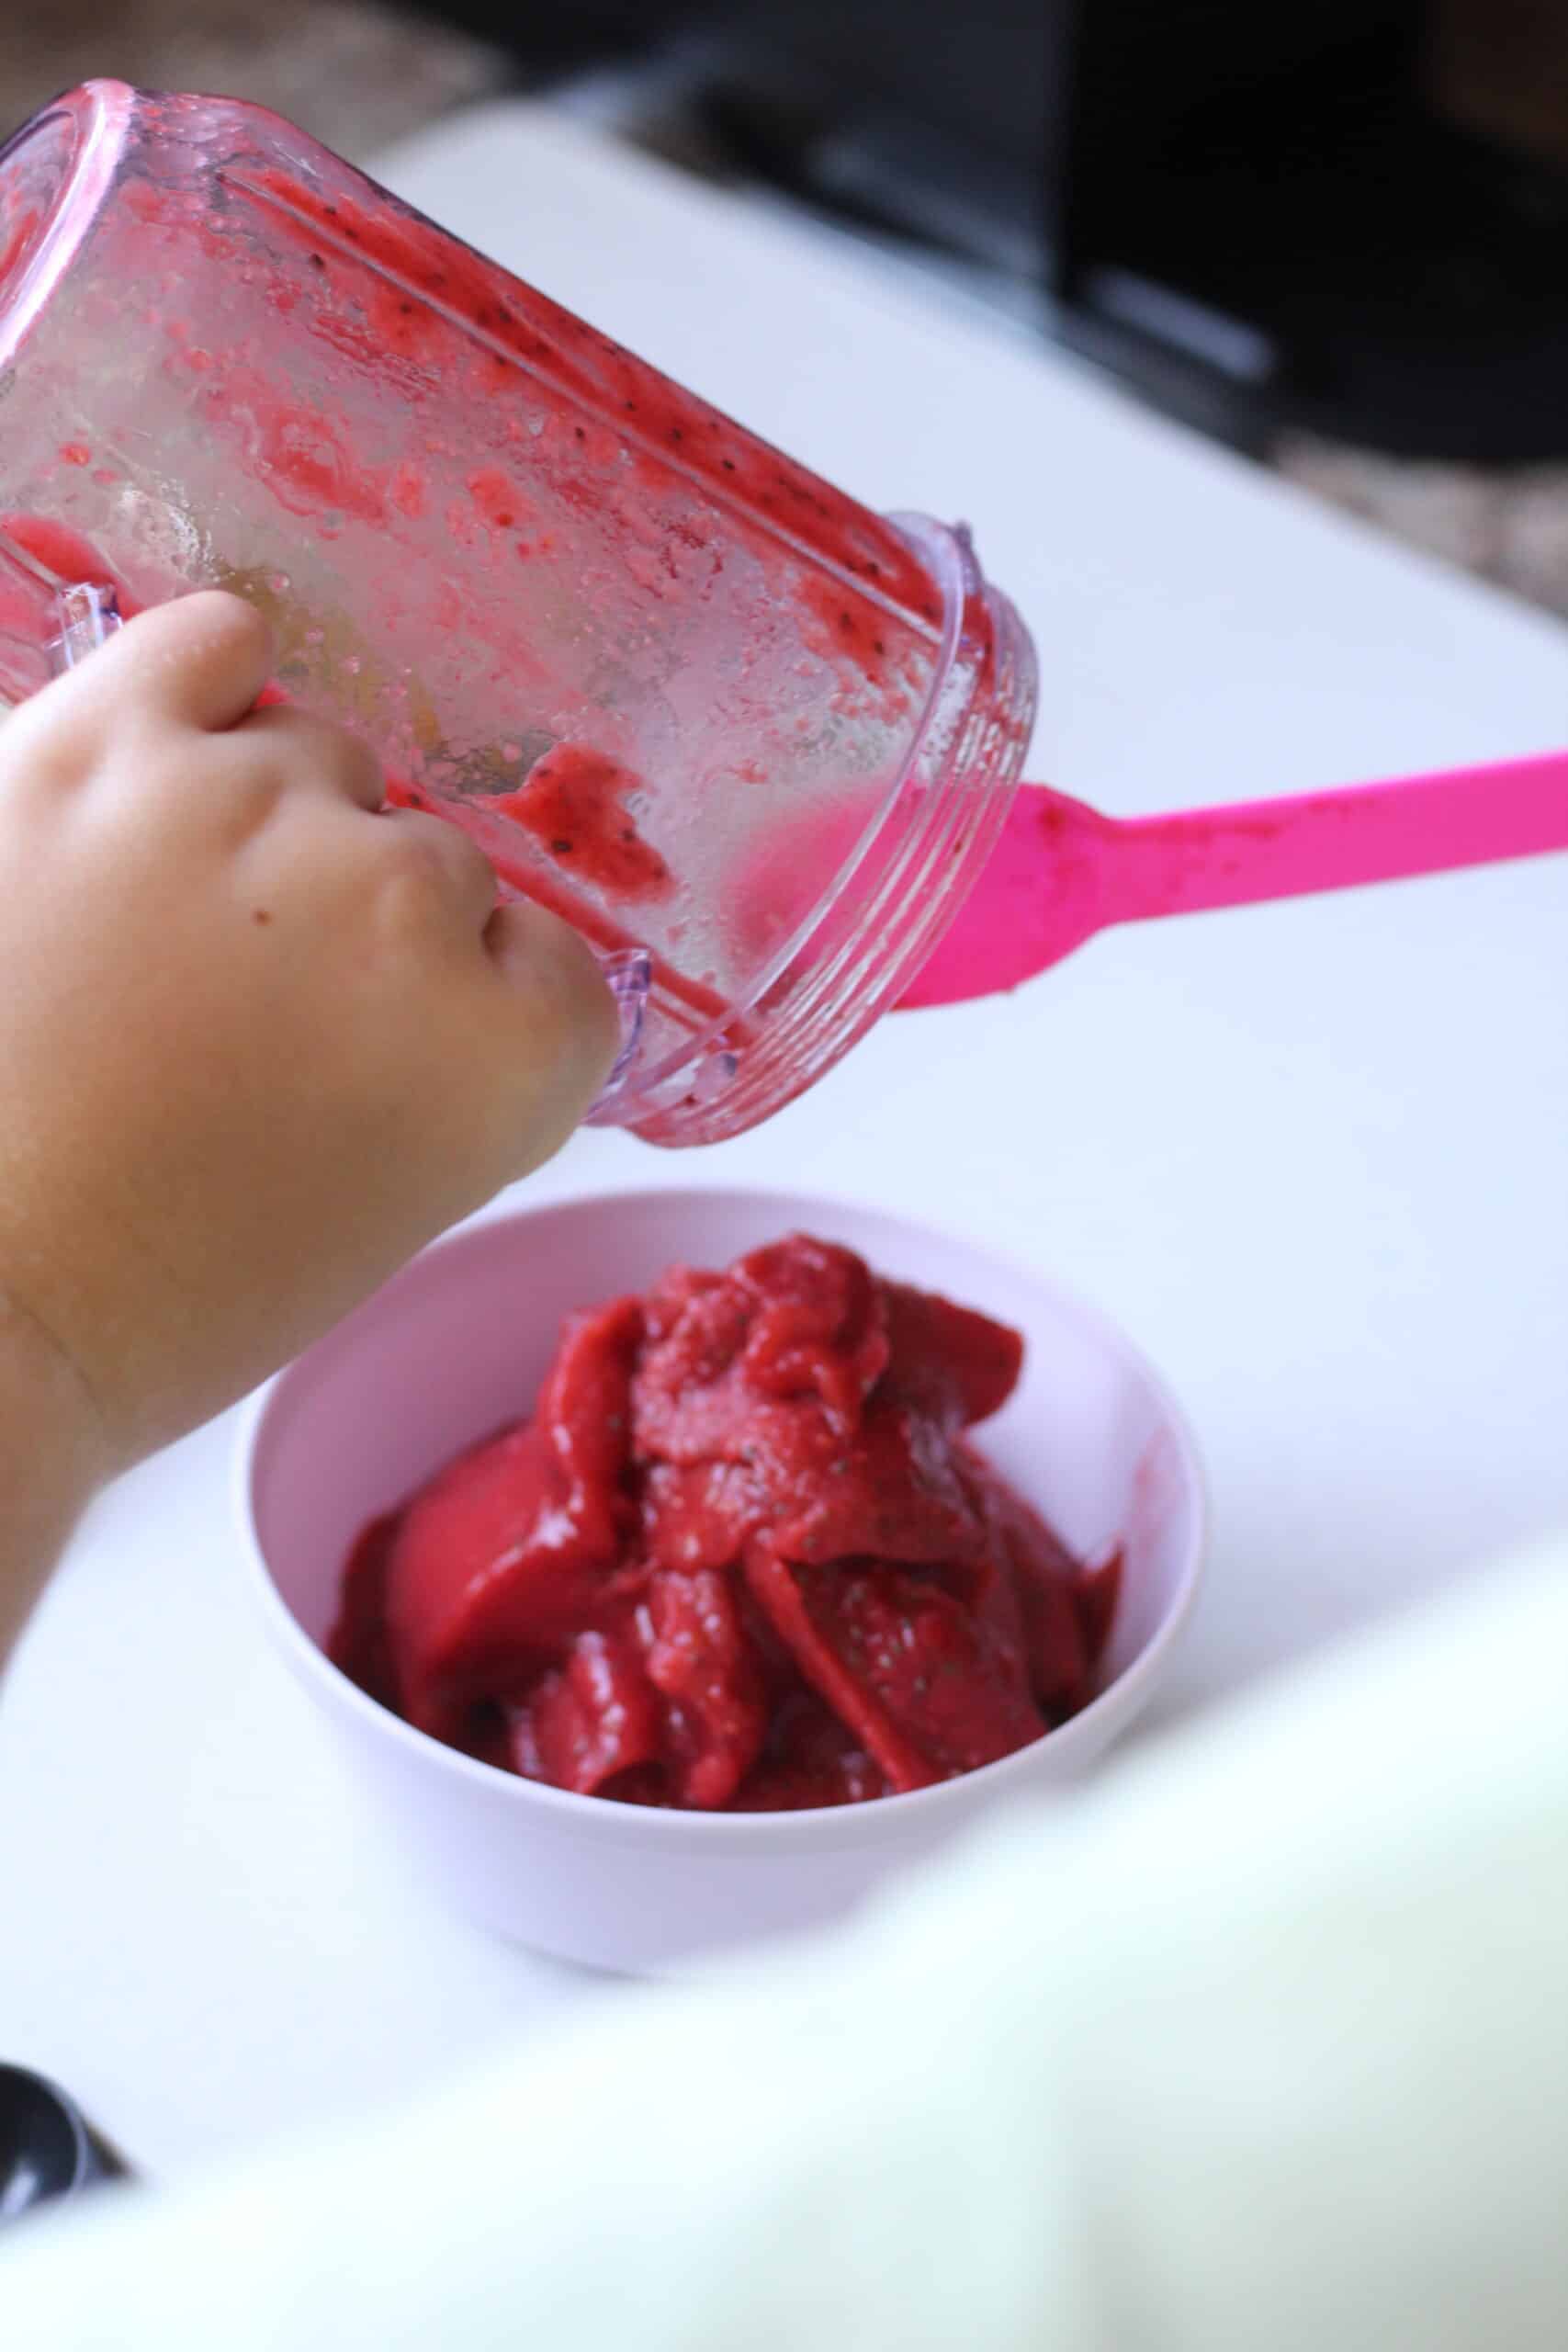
<point>742,1557</point>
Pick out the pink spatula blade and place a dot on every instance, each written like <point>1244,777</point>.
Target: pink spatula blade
<point>1062,871</point>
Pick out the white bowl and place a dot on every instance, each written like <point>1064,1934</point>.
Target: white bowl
<point>458,1343</point>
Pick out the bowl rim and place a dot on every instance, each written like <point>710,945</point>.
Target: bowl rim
<point>906,1811</point>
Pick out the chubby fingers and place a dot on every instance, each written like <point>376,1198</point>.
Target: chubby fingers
<point>298,745</point>
<point>195,665</point>
<point>535,1021</point>
<point>556,1024</point>
<point>199,662</point>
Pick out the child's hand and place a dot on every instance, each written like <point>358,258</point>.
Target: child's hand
<point>257,1042</point>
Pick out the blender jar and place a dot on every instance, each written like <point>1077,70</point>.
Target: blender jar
<point>677,687</point>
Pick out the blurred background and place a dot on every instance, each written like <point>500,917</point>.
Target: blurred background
<point>1333,236</point>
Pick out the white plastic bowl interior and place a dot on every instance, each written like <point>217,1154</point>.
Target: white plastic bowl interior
<point>457,1344</point>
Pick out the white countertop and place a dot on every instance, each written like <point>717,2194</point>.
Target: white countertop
<point>1315,1157</point>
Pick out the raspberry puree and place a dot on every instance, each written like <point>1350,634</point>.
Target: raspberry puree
<point>574,805</point>
<point>743,1557</point>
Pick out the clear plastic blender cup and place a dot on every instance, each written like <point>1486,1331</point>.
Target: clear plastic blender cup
<point>676,686</point>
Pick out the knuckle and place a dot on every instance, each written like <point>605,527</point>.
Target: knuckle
<point>423,862</point>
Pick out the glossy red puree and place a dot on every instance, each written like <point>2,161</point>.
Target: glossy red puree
<point>743,1557</point>
<point>574,804</point>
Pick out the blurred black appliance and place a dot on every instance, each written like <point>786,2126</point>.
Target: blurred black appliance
<point>1347,215</point>
<point>1321,214</point>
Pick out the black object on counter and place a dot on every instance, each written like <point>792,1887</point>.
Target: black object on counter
<point>1306,216</point>
<point>47,2148</point>
<point>1346,216</point>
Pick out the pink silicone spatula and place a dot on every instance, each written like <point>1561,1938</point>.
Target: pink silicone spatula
<point>1062,871</point>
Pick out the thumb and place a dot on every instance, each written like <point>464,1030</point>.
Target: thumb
<point>569,1026</point>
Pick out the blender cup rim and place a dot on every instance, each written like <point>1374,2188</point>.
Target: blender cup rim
<point>945,553</point>
<point>96,117</point>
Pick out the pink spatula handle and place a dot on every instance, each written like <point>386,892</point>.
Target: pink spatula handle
<point>1062,871</point>
<point>1329,841</point>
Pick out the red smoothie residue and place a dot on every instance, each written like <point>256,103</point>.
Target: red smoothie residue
<point>422,284</point>
<point>682,999</point>
<point>743,1557</point>
<point>574,805</point>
